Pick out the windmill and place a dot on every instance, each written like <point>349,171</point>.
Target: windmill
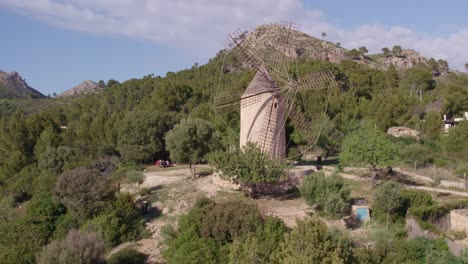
<point>275,92</point>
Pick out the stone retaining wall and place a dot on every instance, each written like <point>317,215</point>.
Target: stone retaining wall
<point>414,231</point>
<point>459,220</point>
<point>295,175</point>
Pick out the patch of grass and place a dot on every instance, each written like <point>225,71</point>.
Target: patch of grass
<point>205,172</point>
<point>237,196</point>
<point>360,189</point>
<point>448,199</point>
<point>157,169</point>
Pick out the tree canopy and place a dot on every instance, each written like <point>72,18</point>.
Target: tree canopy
<point>369,146</point>
<point>191,140</point>
<point>248,165</point>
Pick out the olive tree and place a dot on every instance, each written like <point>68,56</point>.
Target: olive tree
<point>369,146</point>
<point>86,190</point>
<point>248,165</point>
<point>388,199</point>
<point>141,134</point>
<point>75,248</point>
<point>312,242</point>
<point>331,192</point>
<point>190,141</point>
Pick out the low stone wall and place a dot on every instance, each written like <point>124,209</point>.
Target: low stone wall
<point>443,183</point>
<point>225,184</point>
<point>295,176</point>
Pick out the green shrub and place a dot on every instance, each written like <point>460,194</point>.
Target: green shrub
<point>122,222</point>
<point>66,223</point>
<point>167,233</point>
<point>208,227</point>
<point>440,163</point>
<point>330,193</point>
<point>75,248</point>
<point>294,154</point>
<point>389,205</point>
<point>259,246</point>
<point>127,256</point>
<point>205,172</point>
<point>312,242</point>
<point>145,191</point>
<point>415,198</point>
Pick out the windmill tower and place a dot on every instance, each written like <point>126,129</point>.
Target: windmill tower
<point>262,116</point>
<point>272,96</point>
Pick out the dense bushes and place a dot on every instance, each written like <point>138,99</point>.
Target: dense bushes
<point>127,256</point>
<point>330,193</point>
<point>121,222</point>
<point>78,248</point>
<point>234,232</point>
<point>312,242</point>
<point>86,191</point>
<point>210,229</point>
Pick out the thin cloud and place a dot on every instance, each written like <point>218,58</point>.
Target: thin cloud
<point>199,26</point>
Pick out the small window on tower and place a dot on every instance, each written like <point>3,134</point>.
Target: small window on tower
<point>276,105</point>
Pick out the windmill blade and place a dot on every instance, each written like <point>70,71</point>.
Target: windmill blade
<point>261,83</point>
<point>275,61</point>
<point>238,44</point>
<point>226,100</point>
<point>306,128</point>
<point>226,103</point>
<point>318,80</point>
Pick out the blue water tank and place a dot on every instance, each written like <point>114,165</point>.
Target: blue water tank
<point>362,213</point>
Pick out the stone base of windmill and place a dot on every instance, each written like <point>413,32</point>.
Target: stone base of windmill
<point>224,184</point>
<point>295,176</point>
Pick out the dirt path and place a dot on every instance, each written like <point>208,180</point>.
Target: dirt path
<point>424,188</point>
<point>430,189</point>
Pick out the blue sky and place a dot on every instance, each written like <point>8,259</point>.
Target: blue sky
<point>56,44</point>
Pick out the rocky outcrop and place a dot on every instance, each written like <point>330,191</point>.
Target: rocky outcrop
<point>83,88</point>
<point>406,60</point>
<point>403,132</point>
<point>266,38</point>
<point>13,86</point>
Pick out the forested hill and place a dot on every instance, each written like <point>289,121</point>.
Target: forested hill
<point>130,120</point>
<point>12,86</point>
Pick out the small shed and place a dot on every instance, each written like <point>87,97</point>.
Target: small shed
<point>360,210</point>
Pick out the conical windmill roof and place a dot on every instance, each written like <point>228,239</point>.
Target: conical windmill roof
<point>261,83</point>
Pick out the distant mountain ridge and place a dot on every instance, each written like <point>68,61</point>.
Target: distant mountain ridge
<point>85,87</point>
<point>13,86</point>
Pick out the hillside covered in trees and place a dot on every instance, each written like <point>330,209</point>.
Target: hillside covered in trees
<point>61,166</point>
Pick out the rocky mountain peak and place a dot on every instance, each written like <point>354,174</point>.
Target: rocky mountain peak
<point>13,86</point>
<point>85,87</point>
